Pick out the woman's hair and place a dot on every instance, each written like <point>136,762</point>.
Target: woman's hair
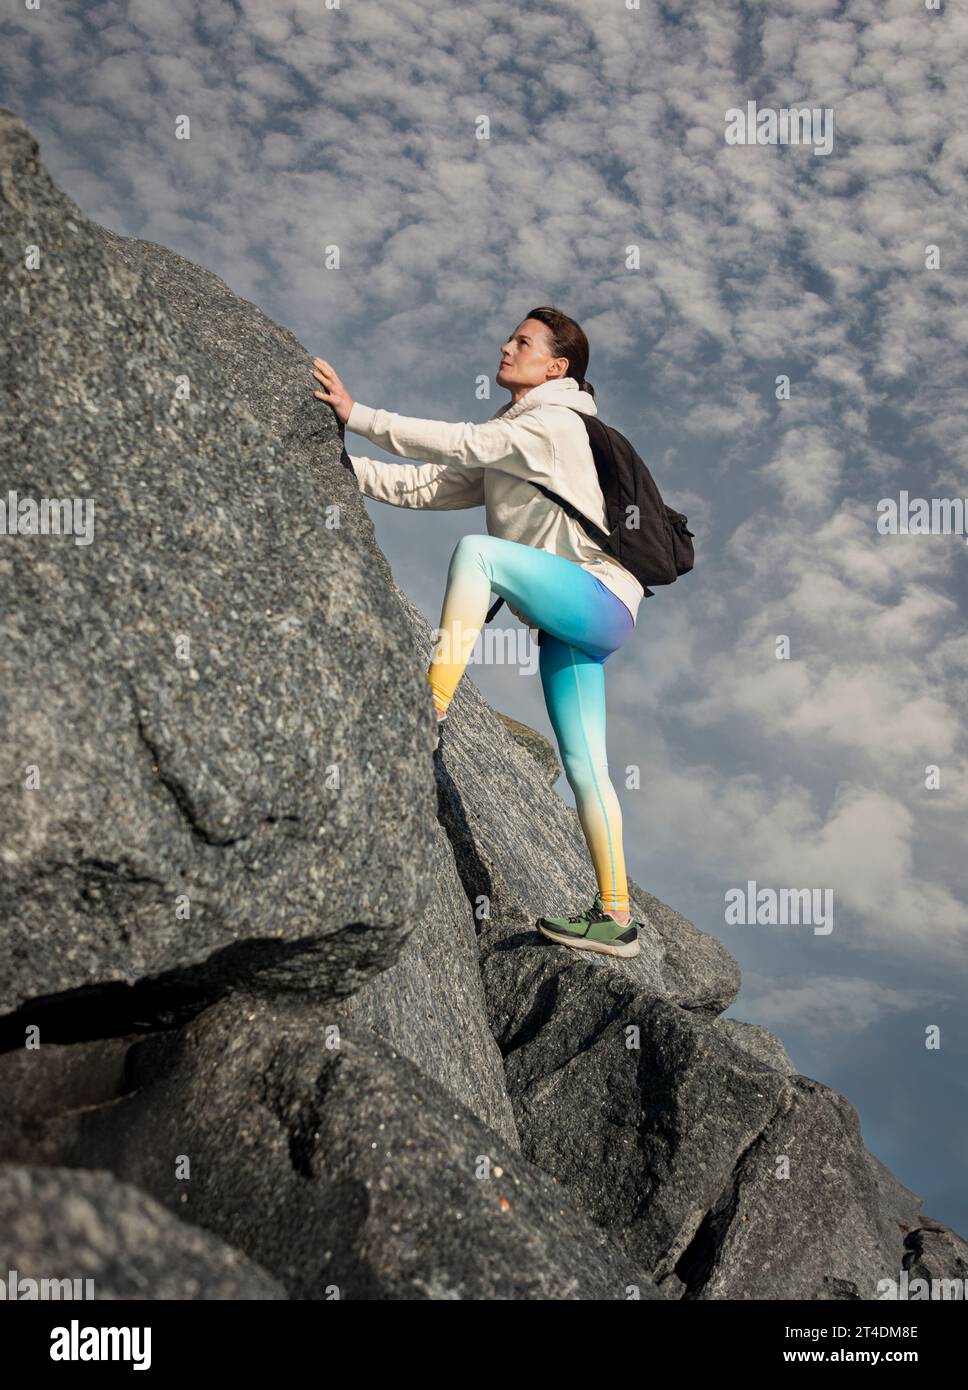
<point>567,340</point>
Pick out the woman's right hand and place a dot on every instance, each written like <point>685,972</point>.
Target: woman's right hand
<point>335,393</point>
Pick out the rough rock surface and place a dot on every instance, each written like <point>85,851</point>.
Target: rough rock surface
<point>334,1162</point>
<point>169,775</point>
<point>434,992</point>
<point>536,744</point>
<point>355,1024</point>
<point>728,1176</point>
<point>58,1223</point>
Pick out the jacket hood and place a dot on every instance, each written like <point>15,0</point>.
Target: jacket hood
<point>562,390</point>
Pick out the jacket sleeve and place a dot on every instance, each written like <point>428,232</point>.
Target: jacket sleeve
<point>433,486</point>
<point>522,446</point>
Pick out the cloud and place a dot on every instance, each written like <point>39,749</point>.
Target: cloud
<point>824,1005</point>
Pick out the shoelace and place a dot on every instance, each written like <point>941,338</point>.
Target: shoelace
<point>594,914</point>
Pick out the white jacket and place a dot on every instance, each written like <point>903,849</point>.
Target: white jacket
<point>470,465</point>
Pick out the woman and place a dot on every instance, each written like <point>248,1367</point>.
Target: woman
<point>581,602</point>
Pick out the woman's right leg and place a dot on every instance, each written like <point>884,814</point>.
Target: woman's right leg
<point>574,690</point>
<point>554,594</point>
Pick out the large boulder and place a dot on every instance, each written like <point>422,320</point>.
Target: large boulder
<point>215,741</point>
<point>185,836</point>
<point>330,1159</point>
<point>719,1167</point>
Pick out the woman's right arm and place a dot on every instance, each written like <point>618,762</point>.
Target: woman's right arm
<point>434,486</point>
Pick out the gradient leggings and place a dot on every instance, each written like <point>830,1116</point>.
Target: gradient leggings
<point>581,623</point>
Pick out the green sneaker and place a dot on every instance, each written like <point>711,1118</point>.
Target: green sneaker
<point>592,930</point>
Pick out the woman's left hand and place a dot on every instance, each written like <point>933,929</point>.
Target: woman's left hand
<point>334,392</point>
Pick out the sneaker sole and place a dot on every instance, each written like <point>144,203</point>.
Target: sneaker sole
<point>581,943</point>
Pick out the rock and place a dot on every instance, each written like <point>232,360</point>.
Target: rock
<point>430,1004</point>
<point>333,1161</point>
<point>756,1040</point>
<point>936,1253</point>
<point>903,1204</point>
<point>329,883</point>
<point>536,745</point>
<point>272,777</point>
<point>683,1156</point>
<point>47,1093</point>
<point>821,1232</point>
<point>67,1224</point>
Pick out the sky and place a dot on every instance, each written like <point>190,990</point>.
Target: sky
<point>473,161</point>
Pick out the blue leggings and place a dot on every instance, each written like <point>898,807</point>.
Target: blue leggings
<point>581,623</point>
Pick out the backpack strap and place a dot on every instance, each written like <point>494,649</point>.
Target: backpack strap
<point>602,537</point>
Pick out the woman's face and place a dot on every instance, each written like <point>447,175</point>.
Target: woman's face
<point>526,357</point>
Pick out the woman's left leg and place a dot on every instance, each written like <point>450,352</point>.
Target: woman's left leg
<point>574,690</point>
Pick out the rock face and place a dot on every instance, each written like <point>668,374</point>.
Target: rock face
<point>335,1163</point>
<point>183,700</point>
<point>268,964</point>
<point>536,744</point>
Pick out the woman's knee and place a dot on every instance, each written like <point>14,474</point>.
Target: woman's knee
<point>470,550</point>
<point>584,772</point>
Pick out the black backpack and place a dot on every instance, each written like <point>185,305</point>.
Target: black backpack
<point>660,548</point>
